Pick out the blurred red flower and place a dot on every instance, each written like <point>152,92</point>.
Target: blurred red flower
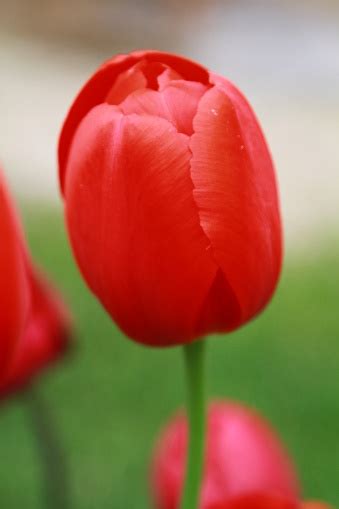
<point>34,323</point>
<point>14,292</point>
<point>171,198</point>
<point>246,465</point>
<point>245,460</point>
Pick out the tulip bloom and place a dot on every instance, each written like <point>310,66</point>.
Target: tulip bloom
<point>13,281</point>
<point>171,198</point>
<point>34,324</point>
<point>246,466</point>
<point>243,457</point>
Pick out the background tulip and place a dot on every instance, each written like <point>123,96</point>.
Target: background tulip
<point>14,294</point>
<point>44,339</point>
<point>243,458</point>
<point>171,199</point>
<point>34,323</point>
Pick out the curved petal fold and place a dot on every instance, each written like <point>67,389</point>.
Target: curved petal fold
<point>177,103</point>
<point>126,83</point>
<point>235,192</point>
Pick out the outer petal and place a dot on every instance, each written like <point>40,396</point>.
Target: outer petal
<point>14,299</point>
<point>243,457</point>
<point>134,225</point>
<point>45,336</point>
<point>96,89</point>
<point>235,191</point>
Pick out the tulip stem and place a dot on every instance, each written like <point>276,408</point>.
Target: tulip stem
<point>49,448</point>
<point>195,375</point>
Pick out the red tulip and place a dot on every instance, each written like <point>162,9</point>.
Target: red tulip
<point>171,199</point>
<point>244,459</point>
<point>34,325</point>
<point>44,339</point>
<point>14,298</point>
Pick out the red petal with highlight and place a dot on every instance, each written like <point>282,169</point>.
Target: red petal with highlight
<point>235,192</point>
<point>134,226</point>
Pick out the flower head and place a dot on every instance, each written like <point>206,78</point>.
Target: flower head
<point>171,198</point>
<point>34,323</point>
<point>244,460</point>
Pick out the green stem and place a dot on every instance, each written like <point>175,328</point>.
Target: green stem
<point>194,361</point>
<point>53,463</point>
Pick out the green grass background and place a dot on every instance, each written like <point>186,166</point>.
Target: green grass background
<point>111,396</point>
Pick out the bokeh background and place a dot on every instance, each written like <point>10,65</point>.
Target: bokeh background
<point>111,396</point>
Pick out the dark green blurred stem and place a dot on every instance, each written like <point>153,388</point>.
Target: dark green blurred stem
<point>55,483</point>
<point>195,375</point>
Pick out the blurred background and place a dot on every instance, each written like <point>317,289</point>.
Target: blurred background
<point>111,398</point>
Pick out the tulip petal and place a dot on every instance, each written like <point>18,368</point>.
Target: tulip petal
<point>126,83</point>
<point>235,192</point>
<point>146,102</point>
<point>14,300</point>
<point>177,103</point>
<point>134,225</point>
<point>44,338</point>
<point>167,77</point>
<point>182,99</point>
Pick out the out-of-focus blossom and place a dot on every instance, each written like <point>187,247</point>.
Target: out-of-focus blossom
<point>243,458</point>
<point>34,323</point>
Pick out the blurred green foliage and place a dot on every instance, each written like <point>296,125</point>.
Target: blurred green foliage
<point>111,396</point>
